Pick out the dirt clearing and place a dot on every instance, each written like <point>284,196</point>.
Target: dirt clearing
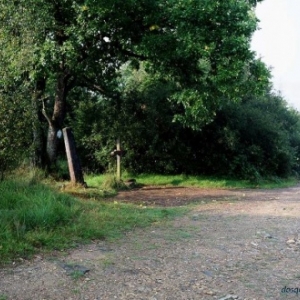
<point>233,244</point>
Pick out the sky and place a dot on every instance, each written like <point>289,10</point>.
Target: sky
<point>277,42</point>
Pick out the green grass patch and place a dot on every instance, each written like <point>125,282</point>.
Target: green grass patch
<point>198,181</point>
<point>106,182</point>
<point>105,185</point>
<point>95,181</point>
<point>35,218</point>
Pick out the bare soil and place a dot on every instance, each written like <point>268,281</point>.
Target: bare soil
<point>233,244</point>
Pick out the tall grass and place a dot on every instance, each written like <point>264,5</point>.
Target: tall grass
<point>31,215</point>
<point>35,218</point>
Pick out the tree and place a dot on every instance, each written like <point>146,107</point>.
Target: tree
<point>201,46</point>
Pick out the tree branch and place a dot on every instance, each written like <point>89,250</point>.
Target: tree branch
<point>128,52</point>
<point>45,113</point>
<point>95,87</point>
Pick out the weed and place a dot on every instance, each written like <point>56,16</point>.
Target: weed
<point>75,275</point>
<point>107,262</point>
<point>111,183</point>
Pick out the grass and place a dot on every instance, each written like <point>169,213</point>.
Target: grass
<point>75,275</point>
<point>36,218</point>
<point>197,181</point>
<point>212,182</point>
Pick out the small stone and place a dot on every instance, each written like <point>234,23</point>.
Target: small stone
<point>268,236</point>
<point>141,289</point>
<point>291,241</point>
<point>208,273</point>
<point>70,269</point>
<point>211,293</point>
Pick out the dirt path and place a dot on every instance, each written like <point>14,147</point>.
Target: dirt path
<point>239,244</point>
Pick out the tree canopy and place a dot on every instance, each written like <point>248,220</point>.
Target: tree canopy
<point>203,46</point>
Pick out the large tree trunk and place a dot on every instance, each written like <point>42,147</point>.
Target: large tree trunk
<point>55,123</point>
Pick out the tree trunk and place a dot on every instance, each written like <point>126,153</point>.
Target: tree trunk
<point>56,121</point>
<point>52,144</point>
<point>36,156</point>
<point>38,144</point>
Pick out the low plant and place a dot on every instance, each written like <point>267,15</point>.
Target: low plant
<point>112,183</point>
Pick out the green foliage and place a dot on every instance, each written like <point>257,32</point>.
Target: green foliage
<point>143,119</point>
<point>212,61</point>
<point>34,217</point>
<point>201,46</point>
<point>15,133</point>
<point>257,137</point>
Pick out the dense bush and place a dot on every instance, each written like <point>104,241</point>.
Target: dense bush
<point>259,136</point>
